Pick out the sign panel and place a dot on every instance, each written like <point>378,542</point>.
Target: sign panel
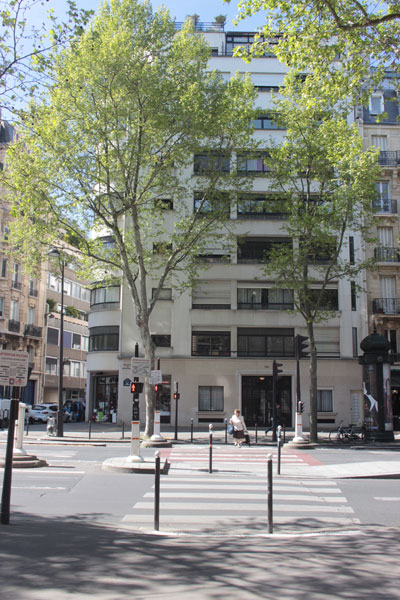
<point>14,368</point>
<point>155,377</point>
<point>140,367</point>
<point>127,382</point>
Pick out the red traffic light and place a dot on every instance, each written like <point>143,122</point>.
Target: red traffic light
<point>136,387</point>
<point>157,387</point>
<point>176,396</point>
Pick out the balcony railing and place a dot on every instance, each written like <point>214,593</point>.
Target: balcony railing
<point>389,158</point>
<point>385,206</point>
<point>13,325</point>
<point>201,26</point>
<point>33,330</point>
<point>386,306</point>
<point>269,306</point>
<point>387,254</point>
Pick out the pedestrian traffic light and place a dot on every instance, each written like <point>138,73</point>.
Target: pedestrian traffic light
<point>301,346</point>
<point>157,387</point>
<point>276,370</point>
<point>176,396</point>
<point>300,407</point>
<point>136,387</point>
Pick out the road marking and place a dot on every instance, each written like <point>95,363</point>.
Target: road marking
<point>36,487</point>
<point>48,471</point>
<point>244,496</point>
<point>248,507</point>
<point>387,499</point>
<point>220,520</point>
<point>248,486</point>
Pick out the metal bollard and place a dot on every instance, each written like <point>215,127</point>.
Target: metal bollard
<point>157,491</point>
<point>210,427</point>
<point>90,429</point>
<point>226,430</point>
<point>27,427</point>
<point>269,492</point>
<point>123,431</point>
<point>191,431</point>
<point>278,439</point>
<point>256,433</point>
<point>284,434</point>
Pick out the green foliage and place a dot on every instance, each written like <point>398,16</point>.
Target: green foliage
<point>51,304</point>
<point>71,311</point>
<point>337,42</point>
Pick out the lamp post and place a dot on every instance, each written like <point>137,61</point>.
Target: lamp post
<point>54,253</point>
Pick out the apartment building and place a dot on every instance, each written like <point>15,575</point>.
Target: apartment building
<point>219,340</point>
<point>380,127</point>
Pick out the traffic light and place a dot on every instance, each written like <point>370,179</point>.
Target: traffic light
<point>157,387</point>
<point>136,387</point>
<point>300,407</point>
<point>276,370</point>
<point>176,396</point>
<point>301,343</point>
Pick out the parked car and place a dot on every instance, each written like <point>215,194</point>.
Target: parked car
<point>39,413</point>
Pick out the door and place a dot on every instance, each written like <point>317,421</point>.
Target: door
<point>257,400</point>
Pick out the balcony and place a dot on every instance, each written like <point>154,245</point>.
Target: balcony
<point>387,254</point>
<point>13,326</point>
<point>386,306</point>
<point>389,158</point>
<point>385,206</point>
<point>33,330</point>
<point>198,26</point>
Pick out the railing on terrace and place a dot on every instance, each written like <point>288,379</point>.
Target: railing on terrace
<point>269,306</point>
<point>387,254</point>
<point>33,330</point>
<point>386,306</point>
<point>202,26</point>
<point>384,206</point>
<point>389,158</point>
<point>13,326</point>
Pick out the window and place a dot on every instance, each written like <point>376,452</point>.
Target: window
<point>162,247</point>
<point>376,104</point>
<point>266,121</point>
<point>164,293</point>
<point>355,342</point>
<point>324,400</point>
<point>85,294</point>
<point>211,397</point>
<point>380,141</point>
<point>382,202</point>
<point>327,298</point>
<point>162,341</point>
<point>265,342</point>
<point>264,299</point>
<point>52,282</point>
<point>209,162</point>
<point>252,164</point>
<point>14,313</point>
<point>245,40</point>
<point>76,341</point>
<point>211,343</point>
<point>16,282</point>
<point>76,290</point>
<point>2,307</point>
<point>219,202</point>
<point>353,295</point>
<point>391,335</point>
<point>33,287</point>
<point>75,369</point>
<point>67,287</point>
<point>51,366</point>
<point>259,207</point>
<point>85,343</point>
<point>164,203</point>
<point>256,250</point>
<point>31,315</point>
<point>351,250</point>
<point>52,336</point>
<point>104,295</point>
<point>104,338</point>
<point>4,267</point>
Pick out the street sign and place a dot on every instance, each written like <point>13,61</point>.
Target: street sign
<point>155,377</point>
<point>127,382</point>
<point>14,368</point>
<point>140,367</point>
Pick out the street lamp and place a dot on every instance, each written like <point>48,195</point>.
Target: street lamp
<point>54,253</point>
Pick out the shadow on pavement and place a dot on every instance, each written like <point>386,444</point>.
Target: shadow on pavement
<point>43,558</point>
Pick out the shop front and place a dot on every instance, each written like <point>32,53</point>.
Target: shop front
<point>105,397</point>
<point>257,407</point>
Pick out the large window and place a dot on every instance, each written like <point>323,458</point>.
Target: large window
<point>266,121</point>
<point>211,397</point>
<point>52,336</point>
<point>209,162</point>
<point>252,164</point>
<point>328,298</point>
<point>324,400</point>
<point>103,338</point>
<point>259,207</point>
<point>211,343</point>
<point>264,299</point>
<point>51,366</point>
<point>204,203</point>
<point>102,295</point>
<point>251,250</point>
<point>265,342</point>
<point>1,307</point>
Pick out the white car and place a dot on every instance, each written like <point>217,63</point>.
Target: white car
<point>41,412</point>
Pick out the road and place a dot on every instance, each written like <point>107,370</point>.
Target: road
<point>77,531</point>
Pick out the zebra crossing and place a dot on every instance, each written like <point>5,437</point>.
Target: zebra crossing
<point>233,498</point>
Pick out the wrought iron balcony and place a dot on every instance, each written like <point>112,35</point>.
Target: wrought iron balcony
<point>387,254</point>
<point>33,330</point>
<point>385,206</point>
<point>386,306</point>
<point>13,325</point>
<point>389,158</point>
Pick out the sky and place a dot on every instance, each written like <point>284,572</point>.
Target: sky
<point>180,9</point>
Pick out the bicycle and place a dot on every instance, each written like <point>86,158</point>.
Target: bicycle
<point>346,434</point>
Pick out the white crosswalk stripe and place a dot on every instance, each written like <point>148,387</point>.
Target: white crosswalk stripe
<point>233,499</point>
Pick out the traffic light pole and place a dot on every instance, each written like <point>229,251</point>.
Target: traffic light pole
<point>157,437</point>
<point>300,344</point>
<point>134,455</point>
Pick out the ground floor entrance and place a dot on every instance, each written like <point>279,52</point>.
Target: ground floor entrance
<point>257,406</point>
<point>105,396</point>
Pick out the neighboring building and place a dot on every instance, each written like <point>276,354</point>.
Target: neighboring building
<point>22,298</point>
<point>219,341</point>
<point>380,127</point>
<point>76,341</point>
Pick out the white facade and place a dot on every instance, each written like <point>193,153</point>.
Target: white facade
<point>209,329</point>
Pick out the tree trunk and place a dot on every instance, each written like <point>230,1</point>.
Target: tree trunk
<point>313,385</point>
<point>149,394</point>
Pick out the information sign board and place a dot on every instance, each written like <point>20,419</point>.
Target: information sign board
<point>140,367</point>
<point>14,368</point>
<point>155,377</point>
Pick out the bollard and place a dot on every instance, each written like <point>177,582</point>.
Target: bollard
<point>7,476</point>
<point>27,426</point>
<point>123,431</point>
<point>284,434</point>
<point>256,433</point>
<point>191,431</point>
<point>278,439</point>
<point>269,488</point>
<point>90,429</point>
<point>226,430</point>
<point>157,492</point>
<point>210,427</point>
